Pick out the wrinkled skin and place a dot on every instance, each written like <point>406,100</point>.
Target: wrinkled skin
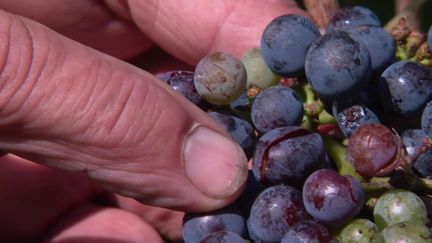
<point>65,105</point>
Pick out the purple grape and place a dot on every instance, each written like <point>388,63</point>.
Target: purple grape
<point>247,197</point>
<point>285,42</point>
<point>287,155</point>
<point>406,88</point>
<point>350,17</point>
<point>380,44</point>
<point>274,211</point>
<point>337,66</point>
<point>331,198</point>
<point>413,139</point>
<point>307,231</point>
<point>275,107</point>
<point>351,117</point>
<point>223,237</point>
<point>182,82</point>
<point>242,104</point>
<point>426,119</point>
<point>196,226</point>
<point>240,130</point>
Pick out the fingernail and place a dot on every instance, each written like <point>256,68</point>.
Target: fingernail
<point>216,165</point>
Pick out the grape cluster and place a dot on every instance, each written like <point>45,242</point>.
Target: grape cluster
<point>337,127</point>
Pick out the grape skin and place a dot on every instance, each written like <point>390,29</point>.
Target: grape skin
<point>337,66</point>
<point>287,155</point>
<point>275,107</point>
<point>380,44</point>
<point>197,226</point>
<point>274,211</point>
<point>258,73</point>
<point>426,119</point>
<point>373,150</point>
<point>406,88</point>
<point>359,230</point>
<point>223,237</point>
<point>349,17</point>
<point>413,140</point>
<point>285,42</point>
<point>307,231</point>
<point>332,199</point>
<point>397,206</point>
<point>220,78</point>
<point>405,232</point>
<point>351,117</point>
<point>183,82</point>
<point>240,130</point>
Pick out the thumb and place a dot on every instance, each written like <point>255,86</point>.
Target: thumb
<point>70,107</point>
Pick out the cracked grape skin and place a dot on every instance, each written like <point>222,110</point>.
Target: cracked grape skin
<point>337,67</point>
<point>287,155</point>
<point>373,150</point>
<point>406,88</point>
<point>220,78</point>
<point>350,117</point>
<point>285,42</point>
<point>331,198</point>
<point>350,17</point>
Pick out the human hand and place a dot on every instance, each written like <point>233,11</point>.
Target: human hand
<point>112,126</point>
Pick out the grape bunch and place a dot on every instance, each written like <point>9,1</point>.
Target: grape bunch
<point>337,128</point>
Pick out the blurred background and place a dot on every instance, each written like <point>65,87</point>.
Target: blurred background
<point>386,10</point>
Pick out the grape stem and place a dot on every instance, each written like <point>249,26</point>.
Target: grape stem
<point>339,154</point>
<point>314,108</point>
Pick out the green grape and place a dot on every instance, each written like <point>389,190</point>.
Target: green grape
<point>399,205</point>
<point>258,73</point>
<point>220,78</point>
<point>358,231</point>
<point>405,232</point>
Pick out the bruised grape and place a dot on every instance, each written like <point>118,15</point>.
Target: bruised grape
<point>374,150</point>
<point>220,78</point>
